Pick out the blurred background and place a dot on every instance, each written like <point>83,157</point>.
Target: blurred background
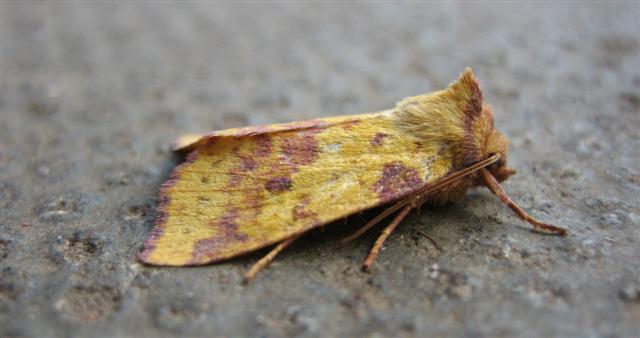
<point>94,92</point>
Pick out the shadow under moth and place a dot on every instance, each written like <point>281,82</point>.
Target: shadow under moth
<point>243,189</point>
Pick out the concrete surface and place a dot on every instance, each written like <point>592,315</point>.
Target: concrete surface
<point>94,92</point>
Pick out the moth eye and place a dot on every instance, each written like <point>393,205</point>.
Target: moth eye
<point>494,166</point>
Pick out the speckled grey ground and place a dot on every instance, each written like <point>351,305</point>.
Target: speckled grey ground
<point>93,93</point>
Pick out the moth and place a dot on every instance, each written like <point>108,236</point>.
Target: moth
<point>243,189</point>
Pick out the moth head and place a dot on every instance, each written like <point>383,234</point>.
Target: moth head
<point>498,144</point>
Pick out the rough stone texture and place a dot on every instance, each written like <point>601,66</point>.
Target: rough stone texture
<point>93,93</point>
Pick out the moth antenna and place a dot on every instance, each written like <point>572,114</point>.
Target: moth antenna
<point>422,193</point>
<point>374,221</point>
<point>497,190</point>
<point>383,237</point>
<point>268,258</point>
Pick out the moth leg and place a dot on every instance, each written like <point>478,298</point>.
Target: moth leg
<point>497,190</point>
<point>385,234</point>
<point>433,241</point>
<point>268,258</point>
<point>375,221</point>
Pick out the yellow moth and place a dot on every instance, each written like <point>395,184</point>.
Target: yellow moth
<point>243,189</point>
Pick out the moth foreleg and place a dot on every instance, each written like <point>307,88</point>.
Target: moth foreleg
<point>385,234</point>
<point>497,190</point>
<point>268,258</point>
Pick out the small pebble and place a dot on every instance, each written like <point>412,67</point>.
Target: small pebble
<point>630,293</point>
